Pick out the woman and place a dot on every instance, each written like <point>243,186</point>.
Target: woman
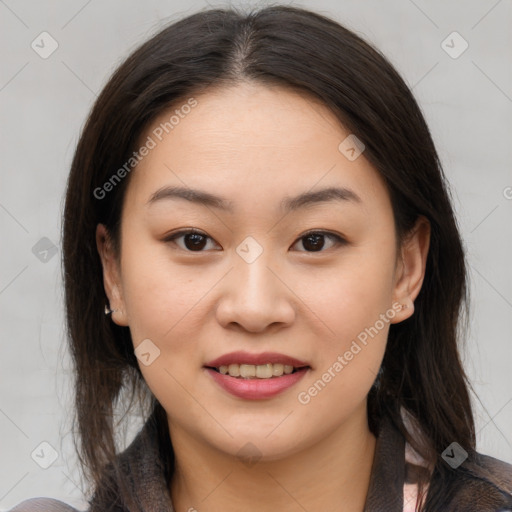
<point>258,239</point>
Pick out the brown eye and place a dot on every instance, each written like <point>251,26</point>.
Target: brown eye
<point>197,241</point>
<point>314,241</point>
<point>193,241</point>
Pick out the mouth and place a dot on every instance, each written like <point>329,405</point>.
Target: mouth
<point>260,371</point>
<point>256,376</point>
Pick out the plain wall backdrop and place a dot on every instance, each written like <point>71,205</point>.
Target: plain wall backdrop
<point>465,93</point>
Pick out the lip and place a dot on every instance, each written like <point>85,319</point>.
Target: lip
<point>242,357</point>
<point>256,389</point>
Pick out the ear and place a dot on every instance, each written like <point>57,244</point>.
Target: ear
<point>111,276</point>
<point>410,268</point>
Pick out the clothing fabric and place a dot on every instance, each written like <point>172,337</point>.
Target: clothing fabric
<point>392,487</point>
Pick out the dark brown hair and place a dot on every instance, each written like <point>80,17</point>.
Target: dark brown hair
<point>290,47</point>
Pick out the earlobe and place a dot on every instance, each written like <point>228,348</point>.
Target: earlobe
<point>111,277</point>
<point>411,267</point>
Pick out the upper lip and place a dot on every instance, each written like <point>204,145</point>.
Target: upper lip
<point>241,357</point>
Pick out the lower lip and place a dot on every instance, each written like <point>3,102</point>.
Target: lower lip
<point>256,389</point>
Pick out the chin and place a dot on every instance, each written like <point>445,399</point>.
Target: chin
<point>258,446</point>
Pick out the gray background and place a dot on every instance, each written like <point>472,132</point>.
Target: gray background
<point>44,102</point>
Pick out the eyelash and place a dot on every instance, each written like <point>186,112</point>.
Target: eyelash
<point>340,241</point>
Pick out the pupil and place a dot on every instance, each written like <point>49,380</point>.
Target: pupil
<point>198,241</point>
<point>315,238</point>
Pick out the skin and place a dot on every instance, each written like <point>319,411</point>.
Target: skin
<point>254,145</point>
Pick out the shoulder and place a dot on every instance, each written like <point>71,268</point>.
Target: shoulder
<point>479,483</point>
<point>43,505</point>
<point>495,471</point>
<point>485,483</point>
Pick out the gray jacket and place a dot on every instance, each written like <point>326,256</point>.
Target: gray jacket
<point>482,483</point>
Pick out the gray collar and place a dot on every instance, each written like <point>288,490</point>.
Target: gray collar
<point>481,481</point>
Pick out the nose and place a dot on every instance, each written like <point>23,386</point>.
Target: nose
<point>255,297</point>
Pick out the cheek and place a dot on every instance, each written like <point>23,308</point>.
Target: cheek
<point>164,307</point>
<point>351,295</point>
<point>354,311</point>
<point>347,363</point>
<point>158,298</point>
<point>167,303</point>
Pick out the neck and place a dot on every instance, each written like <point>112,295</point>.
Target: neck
<point>332,474</point>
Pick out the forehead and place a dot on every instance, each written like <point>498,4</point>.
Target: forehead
<point>251,142</point>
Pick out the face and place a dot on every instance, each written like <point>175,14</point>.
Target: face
<point>291,266</point>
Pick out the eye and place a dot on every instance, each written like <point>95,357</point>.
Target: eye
<point>196,241</point>
<point>193,240</point>
<point>314,241</point>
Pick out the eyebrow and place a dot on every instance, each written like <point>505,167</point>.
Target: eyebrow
<point>288,204</point>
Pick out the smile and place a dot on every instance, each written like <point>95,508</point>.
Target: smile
<point>260,371</point>
<point>256,376</point>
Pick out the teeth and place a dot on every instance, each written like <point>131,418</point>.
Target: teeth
<point>277,369</point>
<point>247,370</point>
<point>260,371</point>
<point>234,370</point>
<point>264,371</point>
